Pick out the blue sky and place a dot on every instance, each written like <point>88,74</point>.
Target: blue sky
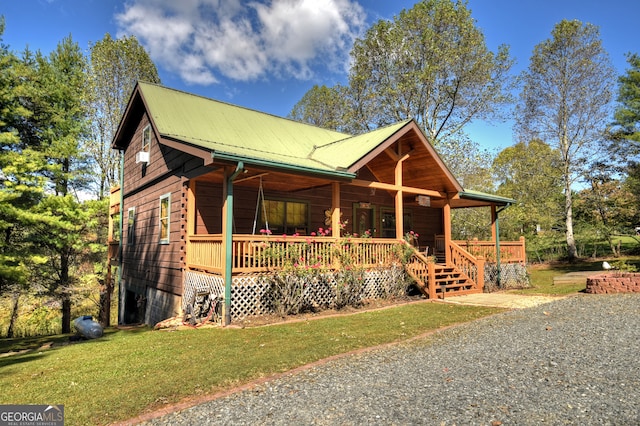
<point>216,49</point>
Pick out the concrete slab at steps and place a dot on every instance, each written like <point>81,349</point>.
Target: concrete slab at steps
<point>500,300</point>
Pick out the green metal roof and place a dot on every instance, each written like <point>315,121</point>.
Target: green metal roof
<point>231,131</point>
<point>483,196</point>
<point>344,153</point>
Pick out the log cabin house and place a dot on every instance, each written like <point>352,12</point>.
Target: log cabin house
<point>206,184</point>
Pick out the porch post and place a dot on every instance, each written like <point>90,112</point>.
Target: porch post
<point>398,200</point>
<point>335,209</point>
<point>227,238</point>
<point>446,213</point>
<point>191,218</point>
<point>494,218</point>
<point>497,243</point>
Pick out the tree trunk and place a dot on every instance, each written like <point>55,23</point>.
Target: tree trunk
<point>106,292</point>
<point>66,313</point>
<point>66,292</point>
<point>14,314</point>
<point>571,243</point>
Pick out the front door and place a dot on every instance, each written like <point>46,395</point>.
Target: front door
<point>364,220</point>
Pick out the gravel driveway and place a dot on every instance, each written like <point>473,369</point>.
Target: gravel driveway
<point>572,361</point>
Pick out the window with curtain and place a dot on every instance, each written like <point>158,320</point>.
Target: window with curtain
<point>285,217</point>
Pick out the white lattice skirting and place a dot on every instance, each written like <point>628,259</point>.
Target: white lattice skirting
<point>250,295</point>
<point>512,275</point>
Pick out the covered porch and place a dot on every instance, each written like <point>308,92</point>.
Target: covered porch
<point>397,198</point>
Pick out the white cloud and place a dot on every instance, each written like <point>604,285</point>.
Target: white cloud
<point>202,40</point>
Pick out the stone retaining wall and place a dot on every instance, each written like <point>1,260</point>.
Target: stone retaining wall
<point>620,282</point>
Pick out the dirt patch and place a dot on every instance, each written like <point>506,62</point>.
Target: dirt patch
<point>176,323</point>
<point>368,305</point>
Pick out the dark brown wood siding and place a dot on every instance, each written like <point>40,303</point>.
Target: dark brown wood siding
<point>147,262</point>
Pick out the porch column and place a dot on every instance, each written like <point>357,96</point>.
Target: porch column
<point>191,218</point>
<point>335,210</point>
<point>446,213</point>
<point>227,238</point>
<point>494,217</point>
<point>398,200</point>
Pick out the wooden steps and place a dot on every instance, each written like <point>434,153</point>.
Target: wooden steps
<point>437,280</point>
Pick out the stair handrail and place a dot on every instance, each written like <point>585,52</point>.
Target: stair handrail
<point>468,264</point>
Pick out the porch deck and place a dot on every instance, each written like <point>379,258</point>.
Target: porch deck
<point>458,271</point>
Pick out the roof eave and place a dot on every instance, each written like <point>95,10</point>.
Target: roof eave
<point>274,165</point>
<point>488,198</point>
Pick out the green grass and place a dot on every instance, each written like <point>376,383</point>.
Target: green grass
<point>129,372</point>
<point>541,276</point>
<point>542,283</point>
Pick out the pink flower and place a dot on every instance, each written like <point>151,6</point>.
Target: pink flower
<point>313,234</point>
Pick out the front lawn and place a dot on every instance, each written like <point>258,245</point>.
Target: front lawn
<point>130,372</point>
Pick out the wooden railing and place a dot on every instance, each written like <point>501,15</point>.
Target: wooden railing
<point>434,279</point>
<point>258,254</point>
<point>470,265</point>
<point>510,251</point>
<point>113,250</point>
<point>204,252</point>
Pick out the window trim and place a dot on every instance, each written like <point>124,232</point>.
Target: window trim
<point>167,239</point>
<point>146,147</point>
<point>131,225</point>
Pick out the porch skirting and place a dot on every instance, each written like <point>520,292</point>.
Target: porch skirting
<point>512,275</point>
<point>250,295</point>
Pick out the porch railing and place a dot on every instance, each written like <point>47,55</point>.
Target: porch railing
<point>259,254</point>
<point>469,264</point>
<point>464,276</point>
<point>510,251</point>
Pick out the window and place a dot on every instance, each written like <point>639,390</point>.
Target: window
<point>165,216</point>
<point>389,223</point>
<point>146,138</point>
<point>286,217</point>
<point>131,221</point>
<point>114,231</point>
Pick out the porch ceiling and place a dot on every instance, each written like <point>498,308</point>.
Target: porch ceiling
<point>420,169</point>
<point>271,180</point>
